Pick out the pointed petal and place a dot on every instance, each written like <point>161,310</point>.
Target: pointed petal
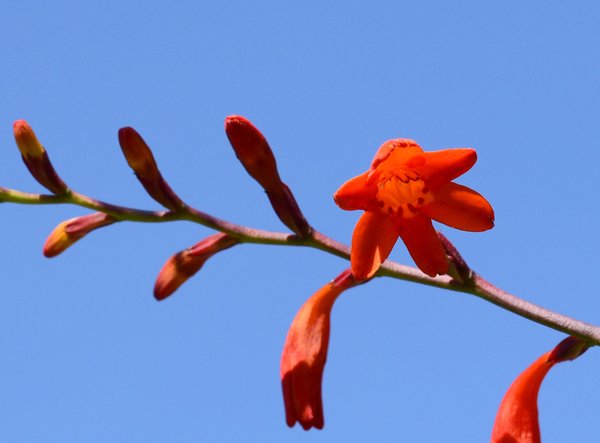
<point>373,239</point>
<point>423,244</point>
<point>355,194</point>
<point>461,208</point>
<point>402,148</point>
<point>444,166</point>
<point>305,353</point>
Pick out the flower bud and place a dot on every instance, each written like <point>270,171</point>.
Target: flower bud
<point>70,231</point>
<point>285,206</point>
<point>183,265</point>
<point>254,152</point>
<point>140,159</point>
<point>36,159</point>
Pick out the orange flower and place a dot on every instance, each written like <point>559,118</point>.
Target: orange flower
<point>403,190</point>
<point>517,418</point>
<point>305,352</point>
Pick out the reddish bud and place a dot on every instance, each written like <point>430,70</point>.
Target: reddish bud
<point>285,206</point>
<point>140,159</point>
<point>459,269</point>
<point>305,353</point>
<point>517,418</point>
<point>70,231</point>
<point>254,152</point>
<point>36,159</point>
<point>181,266</point>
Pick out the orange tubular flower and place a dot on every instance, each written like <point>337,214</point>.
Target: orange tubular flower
<point>404,189</point>
<point>305,353</point>
<point>517,418</point>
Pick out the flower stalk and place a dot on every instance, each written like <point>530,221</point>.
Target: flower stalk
<point>480,287</point>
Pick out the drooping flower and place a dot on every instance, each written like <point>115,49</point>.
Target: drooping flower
<point>36,158</point>
<point>402,192</point>
<point>74,229</point>
<point>305,353</point>
<point>254,153</point>
<point>183,265</point>
<point>517,418</point>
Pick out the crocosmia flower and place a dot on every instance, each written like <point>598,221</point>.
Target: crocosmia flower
<point>517,418</point>
<point>305,353</point>
<point>402,192</point>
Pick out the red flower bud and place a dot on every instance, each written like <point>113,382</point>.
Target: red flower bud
<point>285,206</point>
<point>254,152</point>
<point>140,159</point>
<point>181,266</point>
<point>70,231</point>
<point>517,418</point>
<point>36,159</point>
<point>305,353</point>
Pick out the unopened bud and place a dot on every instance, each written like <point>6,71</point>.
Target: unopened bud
<point>183,265</point>
<point>70,231</point>
<point>140,159</point>
<point>459,269</point>
<point>36,159</point>
<point>253,151</point>
<point>287,209</point>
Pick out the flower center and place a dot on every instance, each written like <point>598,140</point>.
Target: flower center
<point>402,193</point>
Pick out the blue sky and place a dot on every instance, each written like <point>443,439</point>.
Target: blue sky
<point>89,355</point>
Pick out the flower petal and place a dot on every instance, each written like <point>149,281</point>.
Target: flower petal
<point>461,208</point>
<point>423,244</point>
<point>402,148</point>
<point>305,353</point>
<point>355,194</point>
<point>374,237</point>
<point>444,166</point>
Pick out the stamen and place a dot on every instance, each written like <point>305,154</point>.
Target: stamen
<point>401,192</point>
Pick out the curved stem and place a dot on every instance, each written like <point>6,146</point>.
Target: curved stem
<point>476,286</point>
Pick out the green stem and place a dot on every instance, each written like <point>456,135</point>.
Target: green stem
<point>477,286</point>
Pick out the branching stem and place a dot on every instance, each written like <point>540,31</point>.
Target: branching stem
<point>478,286</point>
